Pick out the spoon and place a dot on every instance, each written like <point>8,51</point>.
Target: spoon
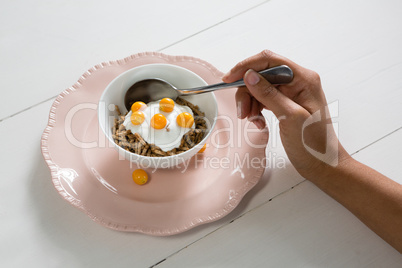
<point>155,89</point>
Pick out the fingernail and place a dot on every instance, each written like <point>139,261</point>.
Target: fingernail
<point>252,77</point>
<point>239,109</point>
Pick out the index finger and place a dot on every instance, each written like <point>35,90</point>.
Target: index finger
<point>263,60</point>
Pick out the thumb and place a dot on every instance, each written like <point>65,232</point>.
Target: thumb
<point>267,94</point>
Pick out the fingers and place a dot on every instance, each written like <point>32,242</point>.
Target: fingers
<point>255,115</point>
<point>265,59</point>
<point>248,107</point>
<point>268,95</point>
<point>291,101</point>
<point>243,102</point>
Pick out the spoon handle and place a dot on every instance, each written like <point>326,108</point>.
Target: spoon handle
<point>276,75</point>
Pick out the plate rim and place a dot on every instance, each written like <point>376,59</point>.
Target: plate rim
<point>54,168</point>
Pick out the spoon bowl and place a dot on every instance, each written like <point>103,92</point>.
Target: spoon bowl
<point>150,90</point>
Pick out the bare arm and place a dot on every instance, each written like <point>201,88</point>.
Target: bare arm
<point>375,199</point>
<point>312,146</point>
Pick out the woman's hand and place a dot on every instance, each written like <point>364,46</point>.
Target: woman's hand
<point>305,125</point>
<point>312,146</point>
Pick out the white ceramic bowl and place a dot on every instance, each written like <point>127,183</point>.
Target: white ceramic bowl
<point>178,77</point>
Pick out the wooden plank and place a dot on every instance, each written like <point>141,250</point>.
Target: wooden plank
<point>46,47</point>
<point>353,45</point>
<point>301,228</point>
<point>40,228</point>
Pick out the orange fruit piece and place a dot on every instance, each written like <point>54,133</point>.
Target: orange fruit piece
<point>138,106</point>
<point>185,120</point>
<point>137,118</point>
<point>166,105</point>
<point>158,121</point>
<point>140,177</point>
<point>203,148</point>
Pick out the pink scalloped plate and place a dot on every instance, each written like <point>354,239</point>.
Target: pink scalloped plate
<point>88,172</point>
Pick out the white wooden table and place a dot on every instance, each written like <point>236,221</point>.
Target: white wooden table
<point>285,221</point>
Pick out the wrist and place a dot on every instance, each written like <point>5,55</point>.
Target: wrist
<point>328,169</point>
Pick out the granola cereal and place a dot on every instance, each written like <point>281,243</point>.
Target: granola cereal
<point>134,143</point>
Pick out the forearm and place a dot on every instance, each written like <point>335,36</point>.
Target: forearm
<point>375,199</point>
<point>372,197</point>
